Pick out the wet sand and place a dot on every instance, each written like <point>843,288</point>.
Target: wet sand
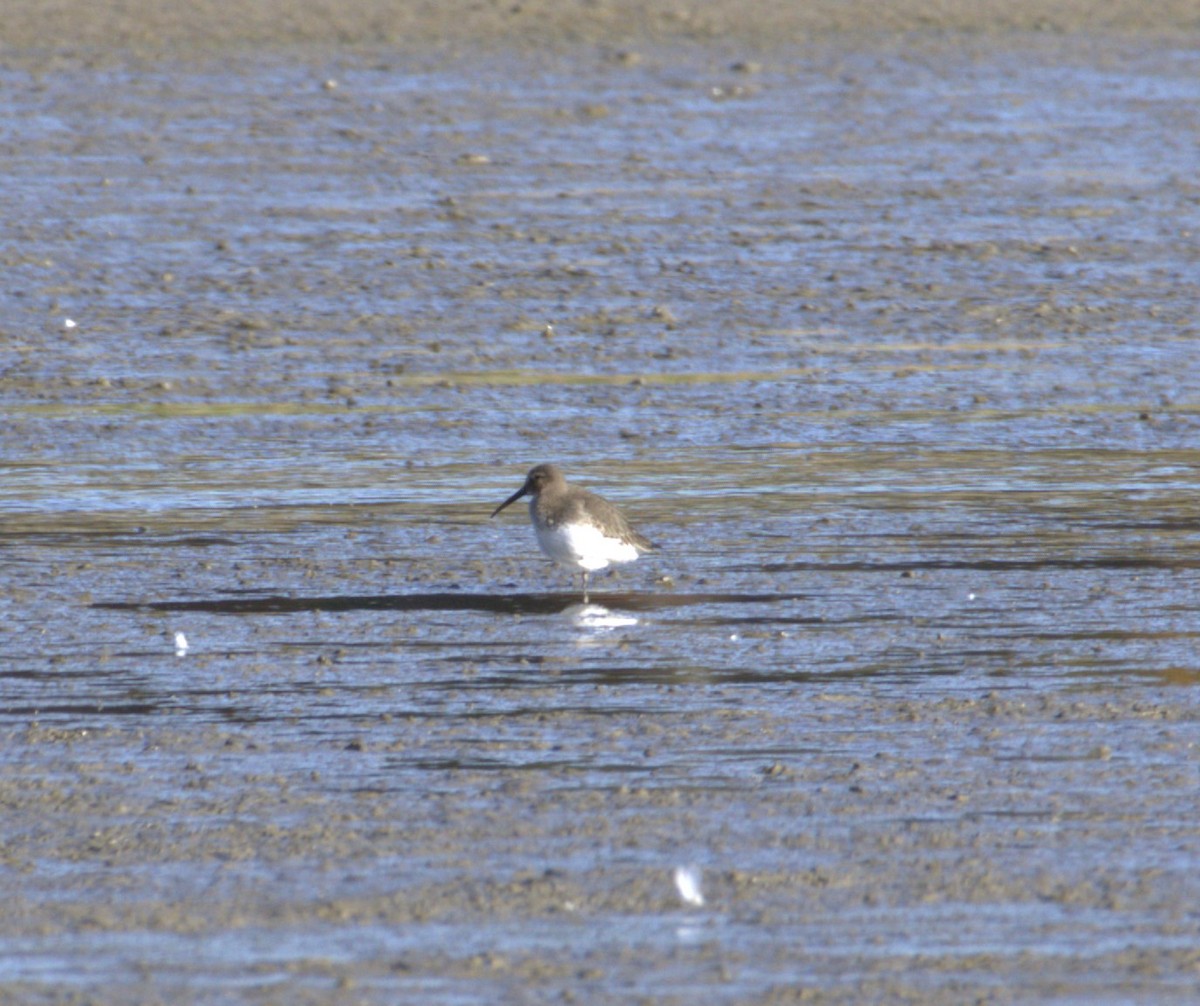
<point>884,331</point>
<point>180,27</point>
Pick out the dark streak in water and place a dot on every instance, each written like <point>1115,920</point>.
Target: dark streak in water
<point>515,604</point>
<point>989,565</point>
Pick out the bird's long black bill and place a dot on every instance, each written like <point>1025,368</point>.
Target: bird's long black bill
<point>512,499</point>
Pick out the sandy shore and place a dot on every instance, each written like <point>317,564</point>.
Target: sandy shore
<point>890,346</point>
<point>144,26</point>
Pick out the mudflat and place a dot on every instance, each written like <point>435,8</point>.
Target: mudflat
<point>188,26</point>
<point>880,324</point>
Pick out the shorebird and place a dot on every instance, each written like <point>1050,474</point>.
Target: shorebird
<point>576,528</point>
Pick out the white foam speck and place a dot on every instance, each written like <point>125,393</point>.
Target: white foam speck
<point>687,883</point>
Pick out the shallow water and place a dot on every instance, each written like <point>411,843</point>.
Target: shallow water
<point>891,351</point>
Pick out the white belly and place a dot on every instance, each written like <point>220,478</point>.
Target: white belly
<point>583,546</point>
